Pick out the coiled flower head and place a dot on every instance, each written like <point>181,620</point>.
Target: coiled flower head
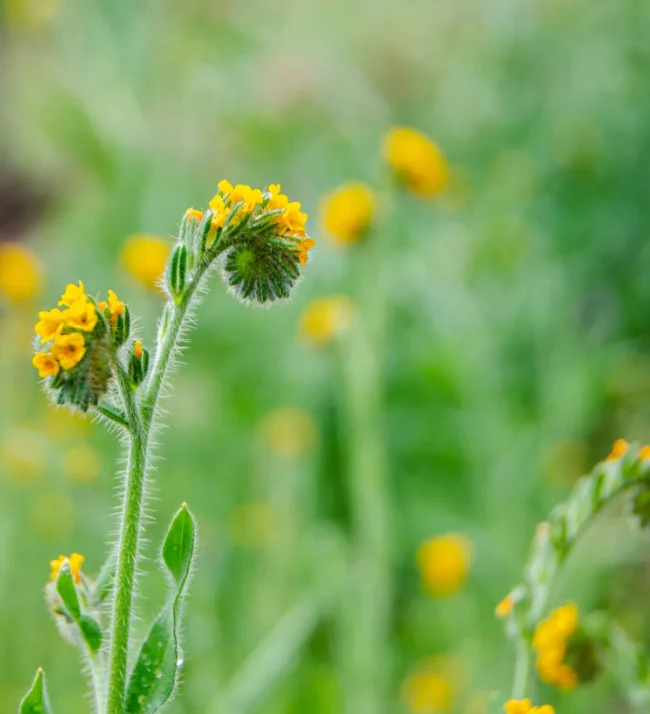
<point>77,345</point>
<point>259,237</point>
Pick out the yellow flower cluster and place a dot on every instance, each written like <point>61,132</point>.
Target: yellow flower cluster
<point>416,160</point>
<point>65,329</point>
<point>75,561</point>
<point>550,644</point>
<point>444,563</point>
<point>524,706</point>
<point>347,212</point>
<point>291,219</point>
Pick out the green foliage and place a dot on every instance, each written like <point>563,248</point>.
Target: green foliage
<point>89,629</point>
<point>36,701</point>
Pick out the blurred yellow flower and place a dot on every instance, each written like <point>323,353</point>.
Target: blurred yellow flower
<point>30,13</point>
<point>417,160</point>
<point>145,256</point>
<point>21,273</point>
<point>289,431</point>
<point>347,212</point>
<point>430,688</point>
<point>251,525</point>
<point>137,349</point>
<point>22,455</point>
<point>50,323</point>
<point>644,453</point>
<point>75,562</point>
<point>81,464</point>
<point>524,706</point>
<point>46,364</point>
<point>72,294</point>
<point>550,643</point>
<point>504,608</point>
<point>81,315</point>
<point>619,449</point>
<point>326,318</point>
<point>444,563</point>
<point>69,349</point>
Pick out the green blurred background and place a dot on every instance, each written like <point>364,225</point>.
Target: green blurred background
<point>516,310</point>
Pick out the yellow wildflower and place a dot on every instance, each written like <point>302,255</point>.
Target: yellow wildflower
<point>326,318</point>
<point>224,186</point>
<point>193,214</point>
<point>46,364</point>
<point>427,693</point>
<point>444,563</point>
<point>347,212</point>
<point>82,315</point>
<point>504,608</point>
<point>81,464</point>
<point>524,706</point>
<point>137,349</point>
<point>251,197</point>
<point>69,349</point>
<point>75,561</point>
<point>145,257</point>
<point>289,431</point>
<point>72,294</point>
<point>115,305</point>
<point>644,452</point>
<point>619,449</point>
<point>417,160</point>
<point>20,272</point>
<point>49,325</point>
<point>305,245</point>
<point>294,219</point>
<point>550,641</point>
<point>220,212</point>
<point>277,200</point>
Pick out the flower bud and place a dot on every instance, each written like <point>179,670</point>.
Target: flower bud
<point>138,363</point>
<point>176,272</point>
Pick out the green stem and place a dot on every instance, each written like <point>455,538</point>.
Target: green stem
<point>522,670</point>
<point>97,676</point>
<point>127,553</point>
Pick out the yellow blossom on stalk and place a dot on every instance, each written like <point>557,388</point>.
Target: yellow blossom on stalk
<point>49,325</point>
<point>225,187</point>
<point>294,219</point>
<point>505,607</point>
<point>115,305</point>
<point>524,706</point>
<point>220,212</point>
<point>251,197</point>
<point>72,294</point>
<point>145,256</point>
<point>305,245</point>
<point>417,160</point>
<point>347,212</point>
<point>137,349</point>
<point>46,364</point>
<point>75,561</point>
<point>277,200</point>
<point>550,642</point>
<point>326,318</point>
<point>20,272</point>
<point>81,315</point>
<point>193,214</point>
<point>69,349</point>
<point>619,449</point>
<point>444,563</point>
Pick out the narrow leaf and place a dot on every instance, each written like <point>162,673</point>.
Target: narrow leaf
<point>36,701</point>
<point>178,546</point>
<point>67,590</point>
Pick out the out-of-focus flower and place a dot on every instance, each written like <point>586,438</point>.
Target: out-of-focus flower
<point>75,561</point>
<point>251,525</point>
<point>644,453</point>
<point>619,449</point>
<point>289,431</point>
<point>504,608</point>
<point>326,318</point>
<point>21,273</point>
<point>145,256</point>
<point>347,212</point>
<point>81,464</point>
<point>30,13</point>
<point>416,160</point>
<point>550,642</point>
<point>52,515</point>
<point>444,563</point>
<point>524,706</point>
<point>430,689</point>
<point>22,455</point>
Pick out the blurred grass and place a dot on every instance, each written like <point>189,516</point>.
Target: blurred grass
<point>517,308</point>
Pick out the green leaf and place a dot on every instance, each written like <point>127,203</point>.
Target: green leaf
<point>36,701</point>
<point>88,627</point>
<point>155,674</point>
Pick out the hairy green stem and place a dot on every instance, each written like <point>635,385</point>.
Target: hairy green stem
<point>522,670</point>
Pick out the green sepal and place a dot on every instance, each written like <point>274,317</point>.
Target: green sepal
<point>122,327</point>
<point>36,701</point>
<point>89,628</point>
<point>155,673</point>
<point>176,271</point>
<point>203,232</point>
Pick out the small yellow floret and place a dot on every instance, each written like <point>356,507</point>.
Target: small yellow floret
<point>417,160</point>
<point>444,563</point>
<point>326,318</point>
<point>81,315</point>
<point>250,197</point>
<point>49,325</point>
<point>20,272</point>
<point>224,186</point>
<point>347,212</point>
<point>145,257</point>
<point>619,449</point>
<point>137,349</point>
<point>72,294</point>
<point>220,212</point>
<point>294,219</point>
<point>75,561</point>
<point>69,349</point>
<point>46,364</point>
<point>115,305</point>
<point>193,214</point>
<point>305,245</point>
<point>276,199</point>
<point>505,607</point>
